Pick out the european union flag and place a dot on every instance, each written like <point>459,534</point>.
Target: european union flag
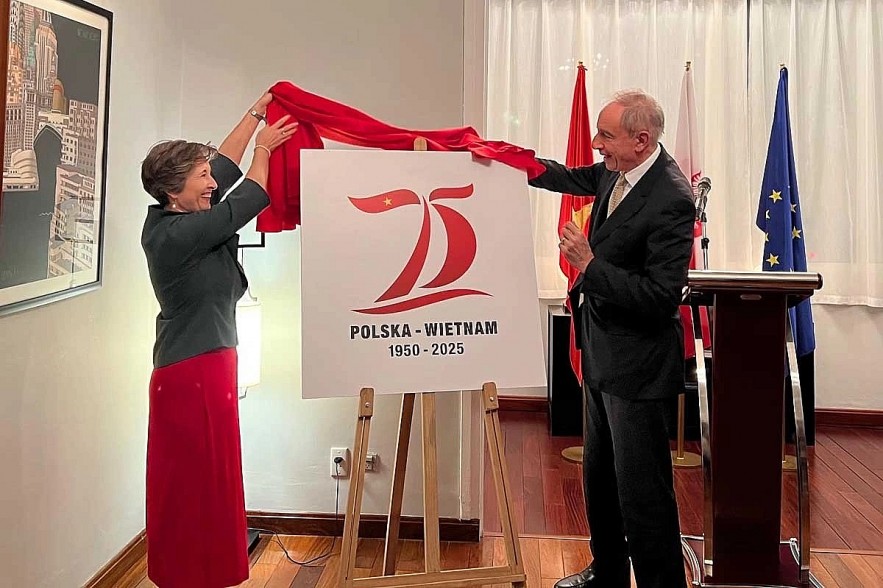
<point>778,215</point>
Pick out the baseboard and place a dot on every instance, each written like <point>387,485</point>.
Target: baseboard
<point>370,526</point>
<point>524,403</point>
<point>842,417</point>
<point>131,562</point>
<point>849,417</point>
<point>128,564</point>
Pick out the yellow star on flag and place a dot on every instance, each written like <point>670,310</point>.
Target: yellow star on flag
<point>775,196</point>
<point>388,201</point>
<point>766,237</point>
<point>795,233</point>
<point>582,216</point>
<point>768,214</point>
<point>773,260</point>
<point>793,208</point>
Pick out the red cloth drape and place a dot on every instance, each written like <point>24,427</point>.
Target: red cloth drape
<point>323,118</point>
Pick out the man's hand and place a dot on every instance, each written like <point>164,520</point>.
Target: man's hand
<point>575,247</point>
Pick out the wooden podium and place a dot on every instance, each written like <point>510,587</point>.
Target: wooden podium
<point>753,353</point>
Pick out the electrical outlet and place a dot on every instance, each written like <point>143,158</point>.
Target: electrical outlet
<point>372,462</point>
<point>341,469</point>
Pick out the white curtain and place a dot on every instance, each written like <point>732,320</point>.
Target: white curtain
<point>833,53</point>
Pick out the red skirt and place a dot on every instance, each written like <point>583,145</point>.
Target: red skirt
<point>196,529</point>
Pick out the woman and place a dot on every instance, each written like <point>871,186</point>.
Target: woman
<point>196,529</point>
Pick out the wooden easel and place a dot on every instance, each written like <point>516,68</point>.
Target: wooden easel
<point>433,576</point>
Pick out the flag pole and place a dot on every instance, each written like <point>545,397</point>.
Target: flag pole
<point>681,458</point>
<point>575,453</point>
<point>789,462</point>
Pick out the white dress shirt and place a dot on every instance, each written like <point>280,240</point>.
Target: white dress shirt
<point>632,177</point>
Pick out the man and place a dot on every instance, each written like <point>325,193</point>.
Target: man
<point>626,301</point>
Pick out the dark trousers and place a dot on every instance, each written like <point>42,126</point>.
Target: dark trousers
<point>630,498</point>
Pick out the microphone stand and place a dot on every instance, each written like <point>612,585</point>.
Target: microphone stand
<point>704,242</point>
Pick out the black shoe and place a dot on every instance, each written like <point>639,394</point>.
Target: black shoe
<point>589,579</point>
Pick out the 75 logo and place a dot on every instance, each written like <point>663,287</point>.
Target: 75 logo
<point>462,247</point>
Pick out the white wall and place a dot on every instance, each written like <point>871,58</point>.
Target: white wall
<point>849,356</point>
<point>73,374</point>
<point>399,61</point>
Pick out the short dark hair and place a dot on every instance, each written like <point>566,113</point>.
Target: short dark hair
<point>167,165</point>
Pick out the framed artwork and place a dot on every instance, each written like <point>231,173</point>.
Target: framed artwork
<point>57,69</point>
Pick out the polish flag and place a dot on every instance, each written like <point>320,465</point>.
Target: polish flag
<point>688,154</point>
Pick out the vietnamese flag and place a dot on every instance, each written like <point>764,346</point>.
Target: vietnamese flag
<point>576,208</point>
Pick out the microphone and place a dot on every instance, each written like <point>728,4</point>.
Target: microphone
<point>702,190</point>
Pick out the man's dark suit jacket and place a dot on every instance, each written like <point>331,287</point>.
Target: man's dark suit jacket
<point>630,331</point>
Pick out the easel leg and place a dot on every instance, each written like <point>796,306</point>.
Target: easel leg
<point>398,486</point>
<point>431,541</point>
<point>357,485</point>
<point>501,478</point>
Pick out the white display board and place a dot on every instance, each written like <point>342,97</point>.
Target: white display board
<point>417,274</point>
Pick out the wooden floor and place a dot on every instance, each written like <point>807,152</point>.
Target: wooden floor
<point>847,517</point>
<point>846,486</point>
<point>546,560</point>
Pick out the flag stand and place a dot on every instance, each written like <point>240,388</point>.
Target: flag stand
<point>511,573</point>
<point>679,457</point>
<point>789,462</point>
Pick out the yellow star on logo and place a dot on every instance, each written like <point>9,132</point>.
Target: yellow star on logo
<point>793,208</point>
<point>775,196</point>
<point>768,214</point>
<point>388,201</point>
<point>773,260</point>
<point>795,233</point>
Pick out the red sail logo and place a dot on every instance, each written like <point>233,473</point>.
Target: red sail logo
<point>460,255</point>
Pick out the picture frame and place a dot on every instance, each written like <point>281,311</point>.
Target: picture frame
<point>56,64</point>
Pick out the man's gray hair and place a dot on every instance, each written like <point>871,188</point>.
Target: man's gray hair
<point>642,113</point>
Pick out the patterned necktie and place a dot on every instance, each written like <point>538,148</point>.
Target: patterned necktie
<point>618,192</point>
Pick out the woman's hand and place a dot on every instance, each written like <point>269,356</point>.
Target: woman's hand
<point>261,105</point>
<point>234,145</point>
<point>271,136</point>
<point>268,138</point>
